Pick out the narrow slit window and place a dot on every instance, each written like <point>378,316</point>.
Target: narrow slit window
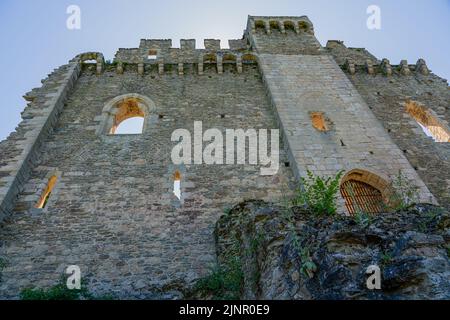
<point>177,185</point>
<point>43,200</point>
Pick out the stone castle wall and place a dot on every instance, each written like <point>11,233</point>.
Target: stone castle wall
<point>387,95</point>
<point>21,150</point>
<point>355,140</point>
<point>113,212</point>
<point>301,85</point>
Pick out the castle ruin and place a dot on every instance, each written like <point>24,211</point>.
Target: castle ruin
<point>72,192</point>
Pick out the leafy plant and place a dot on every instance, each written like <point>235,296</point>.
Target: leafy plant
<point>60,292</point>
<point>308,267</point>
<point>224,282</point>
<point>318,194</point>
<point>386,257</point>
<point>363,218</point>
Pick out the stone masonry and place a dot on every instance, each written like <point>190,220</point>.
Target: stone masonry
<point>113,211</point>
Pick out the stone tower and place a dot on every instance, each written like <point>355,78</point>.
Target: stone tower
<point>72,192</point>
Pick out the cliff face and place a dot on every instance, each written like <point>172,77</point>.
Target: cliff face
<point>290,254</point>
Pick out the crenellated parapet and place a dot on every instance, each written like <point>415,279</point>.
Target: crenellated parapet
<point>282,35</point>
<point>282,24</point>
<point>358,60</point>
<point>385,68</point>
<point>162,54</point>
<point>341,53</point>
<point>153,50</point>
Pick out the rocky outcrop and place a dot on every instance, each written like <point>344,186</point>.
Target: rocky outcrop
<point>291,254</point>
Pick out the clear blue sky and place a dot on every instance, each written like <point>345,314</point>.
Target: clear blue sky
<point>35,39</point>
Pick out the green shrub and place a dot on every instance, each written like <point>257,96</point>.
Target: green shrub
<point>308,267</point>
<point>318,194</point>
<point>60,292</point>
<point>363,218</point>
<point>224,282</point>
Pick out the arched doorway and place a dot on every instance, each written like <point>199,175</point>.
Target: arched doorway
<point>364,192</point>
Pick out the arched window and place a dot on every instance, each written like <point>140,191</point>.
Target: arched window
<point>364,192</point>
<point>129,118</point>
<point>133,125</point>
<point>126,114</point>
<point>430,125</point>
<point>43,200</point>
